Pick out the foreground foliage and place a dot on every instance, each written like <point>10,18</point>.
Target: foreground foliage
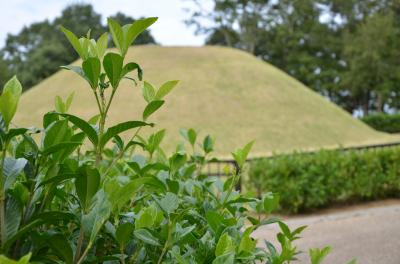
<point>310,181</point>
<point>116,201</point>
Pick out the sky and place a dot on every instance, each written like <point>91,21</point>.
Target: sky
<point>169,30</point>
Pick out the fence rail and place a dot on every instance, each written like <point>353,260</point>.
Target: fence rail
<point>216,168</point>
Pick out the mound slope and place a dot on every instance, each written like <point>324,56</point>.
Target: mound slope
<point>224,92</point>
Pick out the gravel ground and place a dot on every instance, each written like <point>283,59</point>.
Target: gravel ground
<point>370,233</point>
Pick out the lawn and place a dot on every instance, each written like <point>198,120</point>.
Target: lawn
<point>227,93</point>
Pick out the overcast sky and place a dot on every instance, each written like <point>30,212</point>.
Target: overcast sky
<point>169,29</point>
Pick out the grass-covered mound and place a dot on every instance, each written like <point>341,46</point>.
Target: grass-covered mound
<point>225,92</point>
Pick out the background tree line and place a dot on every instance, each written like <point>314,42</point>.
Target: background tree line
<point>38,49</point>
<point>347,50</point>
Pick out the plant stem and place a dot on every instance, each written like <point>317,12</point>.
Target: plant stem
<point>84,253</point>
<point>166,245</point>
<point>79,245</point>
<point>2,197</point>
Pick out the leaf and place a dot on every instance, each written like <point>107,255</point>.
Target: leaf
<point>192,135</point>
<point>318,255</point>
<point>78,70</point>
<point>151,108</point>
<point>11,169</point>
<point>69,100</point>
<point>60,146</point>
<point>225,259</point>
<point>100,212</point>
<point>60,246</point>
<point>116,33</point>
<point>240,155</point>
<point>13,217</point>
<point>124,232</point>
<point>73,40</point>
<point>112,64</point>
<point>247,243</point>
<point>214,220</point>
<point>24,260</point>
<point>148,92</point>
<point>13,132</point>
<point>145,236</point>
<point>122,127</point>
<point>169,203</point>
<point>91,68</point>
<point>101,45</point>
<point>208,144</point>
<point>87,185</point>
<point>56,133</point>
<point>271,202</point>
<point>225,245</point>
<point>130,67</point>
<point>59,105</point>
<point>146,219</point>
<point>83,125</point>
<point>9,99</point>
<point>135,29</point>
<point>165,89</point>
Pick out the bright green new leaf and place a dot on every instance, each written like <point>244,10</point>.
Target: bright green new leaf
<point>87,184</point>
<point>112,64</point>
<point>148,92</point>
<point>134,30</point>
<point>240,155</point>
<point>24,260</point>
<point>92,67</point>
<point>101,45</point>
<point>208,144</point>
<point>225,259</point>
<point>9,99</point>
<point>318,255</point>
<point>271,202</point>
<point>116,33</point>
<point>73,40</point>
<point>151,108</point>
<point>165,89</point>
<point>225,245</point>
<point>59,105</point>
<point>131,67</point>
<point>247,243</point>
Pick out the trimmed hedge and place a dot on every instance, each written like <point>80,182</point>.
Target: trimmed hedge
<point>383,122</point>
<point>309,181</point>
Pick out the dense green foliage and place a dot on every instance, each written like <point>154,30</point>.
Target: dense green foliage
<point>383,122</point>
<point>39,49</point>
<point>310,181</point>
<point>83,195</point>
<point>345,50</point>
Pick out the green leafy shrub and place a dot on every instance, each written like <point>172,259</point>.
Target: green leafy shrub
<point>383,122</point>
<point>309,181</point>
<point>84,195</point>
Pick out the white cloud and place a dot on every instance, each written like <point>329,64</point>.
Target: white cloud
<point>169,30</point>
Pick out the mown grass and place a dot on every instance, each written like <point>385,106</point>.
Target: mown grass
<point>227,93</point>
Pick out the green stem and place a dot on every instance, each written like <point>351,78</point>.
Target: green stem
<point>79,245</point>
<point>166,245</point>
<point>3,197</point>
<point>84,253</point>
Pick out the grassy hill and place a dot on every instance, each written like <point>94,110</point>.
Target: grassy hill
<point>224,92</point>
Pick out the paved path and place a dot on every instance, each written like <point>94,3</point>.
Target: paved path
<point>370,233</point>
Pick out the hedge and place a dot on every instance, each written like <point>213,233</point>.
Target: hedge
<point>309,181</point>
<point>383,122</point>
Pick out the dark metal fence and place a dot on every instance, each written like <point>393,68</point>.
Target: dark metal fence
<point>217,167</point>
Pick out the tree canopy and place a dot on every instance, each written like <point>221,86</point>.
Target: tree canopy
<point>38,49</point>
<point>347,50</point>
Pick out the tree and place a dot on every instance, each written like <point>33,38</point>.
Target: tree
<point>42,46</point>
<point>373,62</point>
<point>4,72</point>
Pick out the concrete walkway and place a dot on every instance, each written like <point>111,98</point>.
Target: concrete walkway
<point>370,233</point>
